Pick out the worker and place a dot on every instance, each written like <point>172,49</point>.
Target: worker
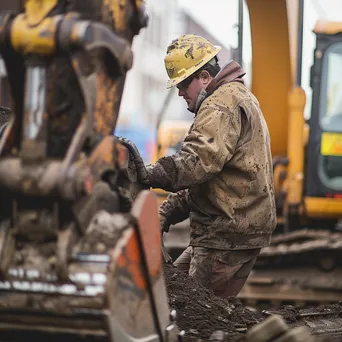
<point>222,176</point>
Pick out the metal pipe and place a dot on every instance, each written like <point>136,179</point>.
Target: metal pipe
<point>300,42</point>
<point>240,33</point>
<point>34,101</point>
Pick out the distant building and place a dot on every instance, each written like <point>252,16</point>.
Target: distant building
<point>145,88</point>
<point>145,84</point>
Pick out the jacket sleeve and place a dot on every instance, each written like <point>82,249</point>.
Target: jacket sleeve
<point>209,145</point>
<point>176,207</point>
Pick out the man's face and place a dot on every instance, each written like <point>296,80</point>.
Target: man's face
<point>190,91</point>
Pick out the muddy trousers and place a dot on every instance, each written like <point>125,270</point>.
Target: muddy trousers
<point>226,280</point>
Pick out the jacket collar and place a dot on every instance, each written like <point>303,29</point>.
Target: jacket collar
<point>231,72</point>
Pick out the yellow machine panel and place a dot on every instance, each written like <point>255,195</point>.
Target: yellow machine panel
<point>331,144</point>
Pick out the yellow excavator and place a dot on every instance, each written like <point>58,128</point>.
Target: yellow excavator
<point>308,184</point>
<point>302,265</point>
<point>80,247</point>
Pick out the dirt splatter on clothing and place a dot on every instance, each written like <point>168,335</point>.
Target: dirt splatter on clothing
<point>225,163</point>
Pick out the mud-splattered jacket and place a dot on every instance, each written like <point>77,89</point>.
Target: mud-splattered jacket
<point>226,166</point>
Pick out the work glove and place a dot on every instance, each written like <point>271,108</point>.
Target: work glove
<point>164,223</point>
<point>142,173</point>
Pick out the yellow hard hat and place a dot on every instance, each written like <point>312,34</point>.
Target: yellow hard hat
<point>186,55</point>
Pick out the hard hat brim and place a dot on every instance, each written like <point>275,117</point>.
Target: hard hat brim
<point>173,82</point>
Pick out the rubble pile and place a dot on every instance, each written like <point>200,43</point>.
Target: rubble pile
<point>206,317</point>
<point>200,313</point>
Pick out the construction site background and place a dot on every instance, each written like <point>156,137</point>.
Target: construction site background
<point>146,81</point>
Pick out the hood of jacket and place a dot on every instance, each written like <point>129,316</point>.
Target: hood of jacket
<point>231,72</point>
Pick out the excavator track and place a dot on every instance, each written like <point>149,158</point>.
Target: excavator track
<point>321,321</point>
<point>290,324</point>
<point>299,268</point>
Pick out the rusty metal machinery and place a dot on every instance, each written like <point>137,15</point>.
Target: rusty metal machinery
<point>301,268</point>
<point>293,325</point>
<point>80,256</point>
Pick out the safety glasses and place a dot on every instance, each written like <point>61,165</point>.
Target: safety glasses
<point>184,85</point>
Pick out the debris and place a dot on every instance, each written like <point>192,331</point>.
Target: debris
<point>200,313</point>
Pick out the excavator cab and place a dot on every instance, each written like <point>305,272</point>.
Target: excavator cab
<point>325,139</point>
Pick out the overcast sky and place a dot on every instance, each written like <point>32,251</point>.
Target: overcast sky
<point>219,16</point>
